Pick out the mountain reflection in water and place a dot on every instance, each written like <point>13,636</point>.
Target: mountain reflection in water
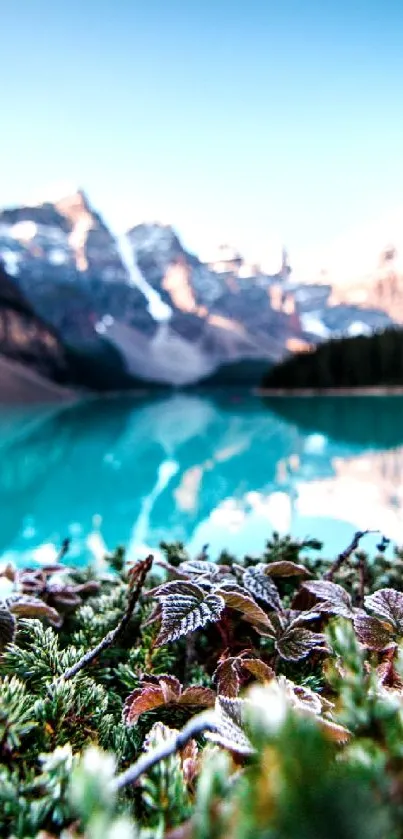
<point>198,468</point>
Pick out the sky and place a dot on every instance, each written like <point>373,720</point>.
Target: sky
<point>252,123</point>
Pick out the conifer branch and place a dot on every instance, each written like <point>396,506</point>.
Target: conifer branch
<point>137,577</point>
<point>197,725</point>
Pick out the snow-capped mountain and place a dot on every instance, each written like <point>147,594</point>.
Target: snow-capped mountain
<point>167,315</point>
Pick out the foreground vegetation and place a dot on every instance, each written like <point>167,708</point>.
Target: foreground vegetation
<point>192,699</point>
<point>360,361</point>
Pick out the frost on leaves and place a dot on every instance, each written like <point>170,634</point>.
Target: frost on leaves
<point>162,691</point>
<point>261,586</point>
<point>333,599</point>
<point>185,607</point>
<point>7,627</point>
<point>229,715</point>
<point>387,603</point>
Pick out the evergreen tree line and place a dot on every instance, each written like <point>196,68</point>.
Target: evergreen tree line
<point>360,361</point>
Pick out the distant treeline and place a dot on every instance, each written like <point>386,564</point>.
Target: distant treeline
<point>362,361</point>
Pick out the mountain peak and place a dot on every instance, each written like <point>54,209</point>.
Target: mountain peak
<point>57,192</point>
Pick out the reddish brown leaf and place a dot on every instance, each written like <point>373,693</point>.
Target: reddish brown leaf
<point>7,627</point>
<point>184,831</point>
<point>142,700</point>
<point>374,633</point>
<point>226,677</point>
<point>190,762</point>
<point>387,673</point>
<point>170,686</point>
<point>258,668</point>
<point>164,691</point>
<point>284,568</point>
<point>332,597</point>
<point>298,643</point>
<point>301,697</point>
<point>387,603</point>
<point>9,572</point>
<point>32,607</point>
<point>199,697</point>
<point>235,598</point>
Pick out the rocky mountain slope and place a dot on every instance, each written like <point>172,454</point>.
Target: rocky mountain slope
<point>27,340</point>
<point>167,317</point>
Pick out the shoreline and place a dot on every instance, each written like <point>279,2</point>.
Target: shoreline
<point>312,392</point>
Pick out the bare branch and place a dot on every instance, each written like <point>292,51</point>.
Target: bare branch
<point>336,565</point>
<point>362,578</point>
<point>197,725</point>
<point>137,577</point>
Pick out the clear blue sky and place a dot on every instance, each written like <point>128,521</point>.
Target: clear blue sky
<point>236,120</point>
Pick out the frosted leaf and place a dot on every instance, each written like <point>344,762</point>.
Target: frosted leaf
<point>7,627</point>
<point>261,586</point>
<point>298,643</point>
<point>163,691</point>
<point>333,598</point>
<point>229,715</point>
<point>258,668</point>
<point>185,608</point>
<point>33,607</point>
<point>284,568</point>
<point>140,701</point>
<point>374,633</point>
<point>387,603</point>
<point>226,677</point>
<point>237,599</point>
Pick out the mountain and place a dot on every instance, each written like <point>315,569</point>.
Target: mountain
<point>83,281</point>
<point>158,312</point>
<point>33,362</point>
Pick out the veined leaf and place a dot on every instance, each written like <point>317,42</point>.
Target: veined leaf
<point>333,598</point>
<point>7,627</point>
<point>197,697</point>
<point>301,697</point>
<point>298,643</point>
<point>200,567</point>
<point>229,718</point>
<point>235,598</point>
<point>258,668</point>
<point>261,586</point>
<point>170,685</point>
<point>228,674</point>
<point>33,607</point>
<point>185,607</point>
<point>226,677</point>
<point>140,701</point>
<point>164,691</point>
<point>285,568</point>
<point>387,603</point>
<point>374,633</point>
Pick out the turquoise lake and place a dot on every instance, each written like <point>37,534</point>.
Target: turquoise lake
<point>223,470</point>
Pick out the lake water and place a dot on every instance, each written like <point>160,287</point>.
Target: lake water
<point>200,469</point>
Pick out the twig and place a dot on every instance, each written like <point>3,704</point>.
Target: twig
<point>137,577</point>
<point>336,565</point>
<point>362,579</point>
<point>64,549</point>
<point>197,725</point>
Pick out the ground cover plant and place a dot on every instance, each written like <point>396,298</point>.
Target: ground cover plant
<point>188,698</point>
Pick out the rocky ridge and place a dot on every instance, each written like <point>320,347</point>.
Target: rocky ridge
<point>208,317</point>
